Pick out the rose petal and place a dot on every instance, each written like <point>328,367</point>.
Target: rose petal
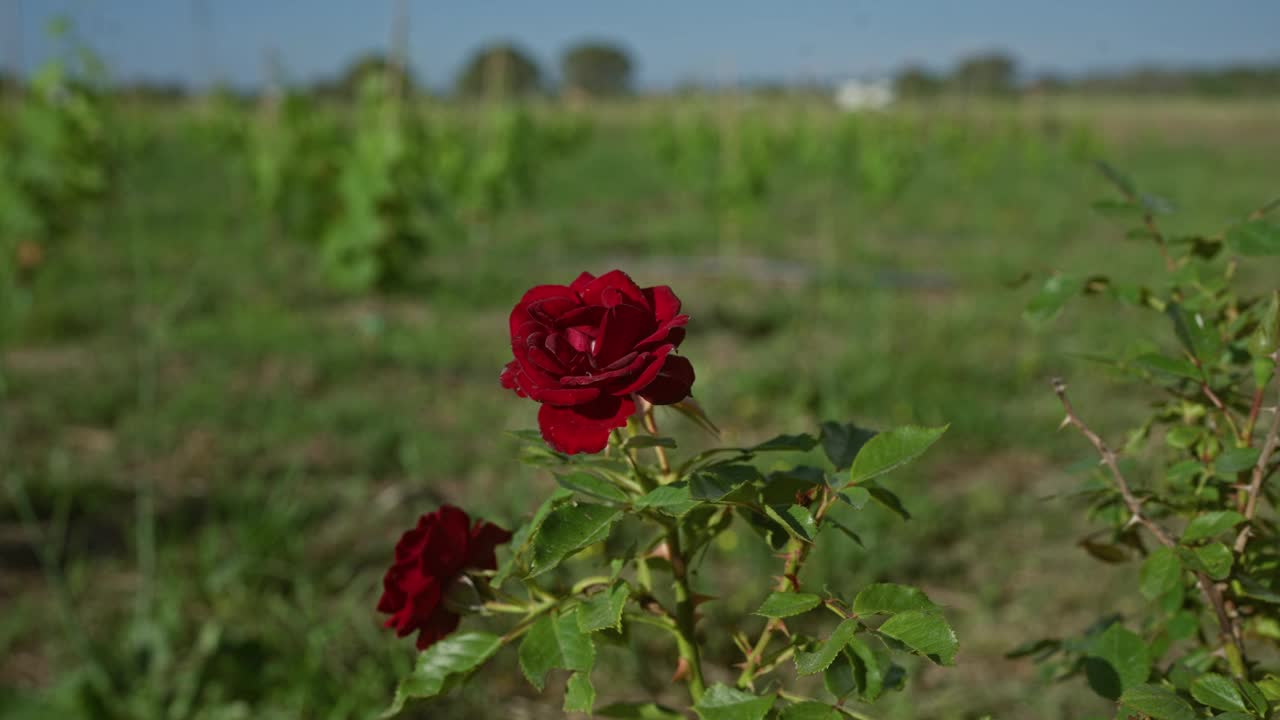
<point>446,548</point>
<point>584,428</point>
<point>671,331</point>
<point>673,384</point>
<point>578,339</point>
<point>416,609</point>
<point>564,396</point>
<point>598,378</point>
<point>534,376</point>
<point>509,377</point>
<point>546,361</point>
<point>649,373</point>
<point>441,624</point>
<point>520,313</point>
<point>585,317</point>
<point>620,331</point>
<point>582,282</point>
<point>485,537</point>
<point>548,310</point>
<point>594,292</point>
<point>664,302</point>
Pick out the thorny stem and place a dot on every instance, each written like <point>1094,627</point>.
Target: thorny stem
<point>651,425</point>
<point>1150,221</point>
<point>796,556</point>
<point>1226,412</point>
<point>1254,410</point>
<point>1228,630</point>
<point>1259,475</point>
<point>686,641</point>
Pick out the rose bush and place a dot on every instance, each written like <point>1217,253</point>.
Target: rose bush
<point>429,560</point>
<point>586,349</point>
<point>598,355</point>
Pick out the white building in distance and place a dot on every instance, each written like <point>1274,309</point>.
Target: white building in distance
<point>855,95</point>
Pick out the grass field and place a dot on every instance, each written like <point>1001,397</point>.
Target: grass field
<point>214,452</point>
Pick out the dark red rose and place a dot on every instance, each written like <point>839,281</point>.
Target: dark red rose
<point>429,559</point>
<point>585,350</point>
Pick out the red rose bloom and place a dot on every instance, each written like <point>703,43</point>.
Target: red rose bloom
<point>429,558</point>
<point>584,349</point>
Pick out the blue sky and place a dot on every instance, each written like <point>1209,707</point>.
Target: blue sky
<point>672,40</point>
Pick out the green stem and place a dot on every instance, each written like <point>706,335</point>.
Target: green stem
<point>798,553</point>
<point>686,641</point>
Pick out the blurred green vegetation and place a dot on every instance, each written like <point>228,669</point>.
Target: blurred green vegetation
<point>209,451</point>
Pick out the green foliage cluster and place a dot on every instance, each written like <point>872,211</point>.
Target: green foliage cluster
<point>1186,495</point>
<point>292,166</point>
<point>649,527</point>
<point>55,160</point>
<point>374,192</point>
<point>734,164</point>
<point>55,150</point>
<point>385,200</point>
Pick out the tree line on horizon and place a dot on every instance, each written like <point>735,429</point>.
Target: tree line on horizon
<point>601,69</point>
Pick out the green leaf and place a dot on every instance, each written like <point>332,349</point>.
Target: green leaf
<point>841,676</point>
<point>639,711</point>
<point>1117,660</point>
<point>1053,295</point>
<point>1235,460</point>
<point>1269,686</point>
<point>888,499</point>
<point>1210,524</point>
<point>721,702</point>
<point>1216,559</point>
<point>593,485</point>
<point>1254,698</point>
<point>808,663</point>
<point>1182,626</point>
<point>842,441</point>
<point>1198,337</point>
<point>787,604</point>
<point>856,497</point>
<point>1178,367</point>
<point>1218,692</point>
<point>1159,702</point>
<point>857,669</point>
<point>568,529</point>
<point>797,521</point>
<point>673,499</point>
<point>786,443</point>
<point>1255,237</point>
<point>1117,178</point>
<point>892,449</point>
<point>716,481</point>
<point>1115,208</point>
<point>642,442</point>
<point>1182,436</point>
<point>926,632</point>
<point>811,710</point>
<point>888,598</point>
<point>1161,572</point>
<point>841,527</point>
<point>604,610</point>
<point>442,665</point>
<point>520,542</point>
<point>579,694</point>
<point>554,642</point>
